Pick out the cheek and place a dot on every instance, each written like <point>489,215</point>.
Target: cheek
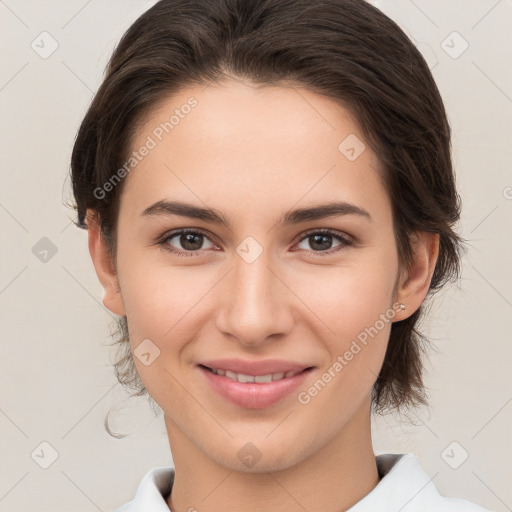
<point>158,312</point>
<point>159,298</point>
<point>353,303</point>
<point>356,309</point>
<point>166,305</point>
<point>351,297</point>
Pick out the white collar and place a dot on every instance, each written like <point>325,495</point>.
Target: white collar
<point>404,487</point>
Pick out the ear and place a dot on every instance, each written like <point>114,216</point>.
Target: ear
<point>415,282</point>
<point>104,266</point>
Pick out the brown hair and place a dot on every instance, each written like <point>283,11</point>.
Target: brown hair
<point>347,50</point>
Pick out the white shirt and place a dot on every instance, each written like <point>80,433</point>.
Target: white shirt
<point>404,487</point>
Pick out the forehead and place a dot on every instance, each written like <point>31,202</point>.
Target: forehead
<point>235,144</point>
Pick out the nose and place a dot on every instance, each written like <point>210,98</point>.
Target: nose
<point>257,305</point>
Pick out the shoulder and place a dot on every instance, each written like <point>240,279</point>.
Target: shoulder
<point>405,486</point>
<point>152,492</point>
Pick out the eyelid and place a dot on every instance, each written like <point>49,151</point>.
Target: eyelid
<point>345,240</point>
<point>162,241</point>
<point>328,231</point>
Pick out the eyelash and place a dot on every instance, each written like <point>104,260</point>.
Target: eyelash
<point>345,241</point>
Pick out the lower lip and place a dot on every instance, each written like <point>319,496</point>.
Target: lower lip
<point>254,395</point>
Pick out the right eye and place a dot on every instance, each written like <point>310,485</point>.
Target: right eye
<point>191,242</point>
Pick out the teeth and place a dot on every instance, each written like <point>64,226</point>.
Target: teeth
<point>263,378</point>
<point>242,377</point>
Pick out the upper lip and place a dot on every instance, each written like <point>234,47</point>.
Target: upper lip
<point>255,367</point>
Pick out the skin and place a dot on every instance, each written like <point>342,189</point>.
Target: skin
<point>253,154</point>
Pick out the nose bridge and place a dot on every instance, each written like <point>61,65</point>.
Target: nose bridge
<point>256,305</point>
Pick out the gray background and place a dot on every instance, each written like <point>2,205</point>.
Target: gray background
<point>56,380</point>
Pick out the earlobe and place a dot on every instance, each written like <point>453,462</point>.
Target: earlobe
<point>105,269</point>
<point>414,287</point>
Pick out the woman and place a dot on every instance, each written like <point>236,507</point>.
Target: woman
<point>269,195</point>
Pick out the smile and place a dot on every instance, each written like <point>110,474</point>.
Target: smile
<point>253,391</point>
<point>242,377</point>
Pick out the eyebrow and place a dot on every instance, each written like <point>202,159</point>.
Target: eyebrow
<point>297,216</point>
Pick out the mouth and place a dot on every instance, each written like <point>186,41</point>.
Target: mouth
<point>261,379</point>
<point>253,391</point>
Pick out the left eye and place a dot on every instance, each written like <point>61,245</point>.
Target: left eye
<point>322,240</point>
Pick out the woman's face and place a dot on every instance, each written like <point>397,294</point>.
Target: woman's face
<point>264,283</point>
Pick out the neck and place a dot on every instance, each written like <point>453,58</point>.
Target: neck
<point>333,479</point>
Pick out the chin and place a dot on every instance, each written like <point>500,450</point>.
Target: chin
<point>263,453</point>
